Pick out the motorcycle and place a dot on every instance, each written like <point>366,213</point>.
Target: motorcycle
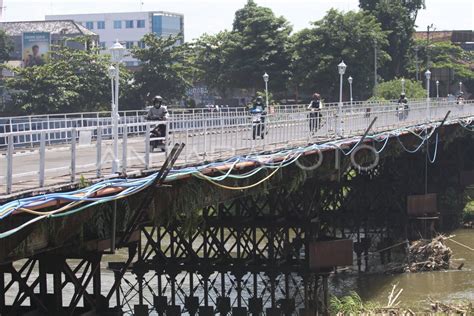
<point>402,111</point>
<point>257,123</point>
<point>158,137</point>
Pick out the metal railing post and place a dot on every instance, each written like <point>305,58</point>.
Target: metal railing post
<point>98,146</point>
<point>167,137</point>
<point>42,156</point>
<point>147,146</point>
<point>73,155</point>
<point>124,148</point>
<point>9,180</point>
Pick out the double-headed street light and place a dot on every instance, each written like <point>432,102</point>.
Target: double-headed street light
<point>428,77</point>
<point>265,78</point>
<point>117,52</point>
<point>342,70</point>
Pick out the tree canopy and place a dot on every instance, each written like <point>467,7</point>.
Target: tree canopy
<point>164,68</point>
<point>398,18</point>
<point>6,47</point>
<point>390,90</point>
<point>338,36</point>
<point>259,43</point>
<point>71,81</point>
<point>211,60</point>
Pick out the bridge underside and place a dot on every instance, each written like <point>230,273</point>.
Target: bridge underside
<point>200,249</point>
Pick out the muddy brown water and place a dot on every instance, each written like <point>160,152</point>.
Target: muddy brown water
<point>446,286</point>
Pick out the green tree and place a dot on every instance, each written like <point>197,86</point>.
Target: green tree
<point>72,81</point>
<point>398,18</point>
<point>259,43</point>
<point>165,68</point>
<point>211,59</point>
<point>6,47</point>
<point>444,55</point>
<point>338,36</point>
<point>390,90</point>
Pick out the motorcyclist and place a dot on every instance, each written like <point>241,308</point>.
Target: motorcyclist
<point>315,115</point>
<point>403,100</point>
<point>403,106</point>
<point>460,98</point>
<point>260,106</point>
<point>159,111</point>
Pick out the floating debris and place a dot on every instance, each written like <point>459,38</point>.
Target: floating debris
<point>429,255</point>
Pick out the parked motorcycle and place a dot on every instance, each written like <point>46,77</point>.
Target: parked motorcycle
<point>257,123</point>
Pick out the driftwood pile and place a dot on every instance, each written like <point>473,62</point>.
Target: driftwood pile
<point>429,255</point>
<point>449,309</point>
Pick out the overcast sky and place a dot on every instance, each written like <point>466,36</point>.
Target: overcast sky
<point>211,16</point>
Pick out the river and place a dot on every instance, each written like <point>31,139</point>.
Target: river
<point>445,286</point>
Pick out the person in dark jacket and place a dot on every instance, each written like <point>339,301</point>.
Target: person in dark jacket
<point>315,107</point>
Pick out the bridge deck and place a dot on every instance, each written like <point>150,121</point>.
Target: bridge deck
<point>208,138</point>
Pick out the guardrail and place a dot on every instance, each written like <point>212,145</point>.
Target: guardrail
<point>38,123</point>
<point>89,152</point>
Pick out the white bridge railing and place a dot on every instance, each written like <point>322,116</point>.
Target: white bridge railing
<point>36,158</point>
<point>36,123</point>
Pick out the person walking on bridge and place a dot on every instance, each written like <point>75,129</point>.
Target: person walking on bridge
<point>315,106</point>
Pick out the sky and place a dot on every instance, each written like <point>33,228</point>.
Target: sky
<point>212,16</point>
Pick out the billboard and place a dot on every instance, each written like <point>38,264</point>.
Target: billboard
<point>36,46</point>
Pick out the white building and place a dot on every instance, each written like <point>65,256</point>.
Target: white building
<point>127,27</point>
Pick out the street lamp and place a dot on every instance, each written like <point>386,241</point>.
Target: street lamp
<point>403,85</point>
<point>342,70</point>
<point>460,87</point>
<point>265,78</point>
<point>428,77</point>
<point>350,88</point>
<point>437,89</point>
<point>117,51</point>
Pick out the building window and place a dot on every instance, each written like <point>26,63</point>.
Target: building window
<point>129,24</point>
<point>102,45</point>
<point>117,24</point>
<point>101,25</point>
<point>128,45</point>
<point>141,44</point>
<point>140,24</point>
<point>90,25</point>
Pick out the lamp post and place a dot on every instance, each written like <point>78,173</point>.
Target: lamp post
<point>117,52</point>
<point>403,85</point>
<point>437,89</point>
<point>428,77</point>
<point>350,88</point>
<point>342,69</point>
<point>265,78</point>
<point>460,87</point>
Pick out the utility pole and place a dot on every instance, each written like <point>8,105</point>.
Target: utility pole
<point>416,62</point>
<point>375,64</point>
<point>428,28</point>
